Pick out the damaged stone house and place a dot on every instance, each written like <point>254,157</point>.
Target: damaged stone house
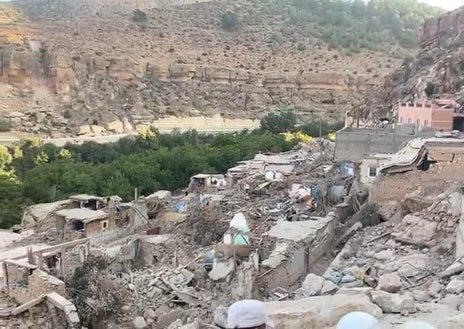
<point>422,164</point>
<point>83,222</point>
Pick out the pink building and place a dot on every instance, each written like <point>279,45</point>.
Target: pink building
<point>426,115</point>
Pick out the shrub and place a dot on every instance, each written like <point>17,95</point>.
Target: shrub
<point>139,16</point>
<point>430,89</point>
<point>279,122</point>
<point>300,46</point>
<point>229,21</point>
<point>4,125</point>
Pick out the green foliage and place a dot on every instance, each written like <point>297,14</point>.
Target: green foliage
<point>93,304</point>
<point>312,128</point>
<point>148,162</point>
<point>229,21</point>
<point>300,46</point>
<point>430,89</point>
<point>279,122</point>
<point>355,24</point>
<point>4,125</point>
<point>11,201</point>
<point>139,16</point>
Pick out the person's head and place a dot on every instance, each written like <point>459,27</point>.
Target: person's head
<point>358,320</point>
<point>417,325</point>
<point>248,314</point>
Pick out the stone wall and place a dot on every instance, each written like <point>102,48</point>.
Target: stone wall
<point>292,259</point>
<point>355,144</point>
<point>391,189</point>
<point>38,283</point>
<point>46,311</point>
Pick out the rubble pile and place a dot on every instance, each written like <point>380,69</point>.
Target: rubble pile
<point>294,230</point>
<point>402,266</point>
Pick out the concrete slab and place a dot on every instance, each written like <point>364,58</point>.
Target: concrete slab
<point>299,231</point>
<point>318,312</point>
<point>156,239</point>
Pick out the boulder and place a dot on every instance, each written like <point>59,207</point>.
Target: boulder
<point>420,296</point>
<point>393,303</point>
<point>435,289</point>
<point>384,255</point>
<point>454,301</point>
<point>318,312</point>
<point>149,314</point>
<point>456,286</point>
<point>139,323</point>
<point>115,126</point>
<point>390,282</point>
<point>328,288</point>
<point>312,285</point>
<point>220,316</point>
<point>423,231</point>
<point>222,269</point>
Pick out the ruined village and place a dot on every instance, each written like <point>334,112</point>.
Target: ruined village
<point>369,222</point>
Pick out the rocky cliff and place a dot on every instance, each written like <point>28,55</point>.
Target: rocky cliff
<point>79,63</point>
<point>436,71</point>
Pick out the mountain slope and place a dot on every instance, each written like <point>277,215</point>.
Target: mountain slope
<point>100,63</point>
<point>436,71</point>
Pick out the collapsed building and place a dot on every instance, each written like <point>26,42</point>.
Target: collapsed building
<point>306,234</point>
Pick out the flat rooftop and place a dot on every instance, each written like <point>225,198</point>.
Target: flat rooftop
<point>299,231</point>
<point>85,197</point>
<point>83,214</point>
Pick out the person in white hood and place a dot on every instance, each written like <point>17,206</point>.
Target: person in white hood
<point>248,314</point>
<point>358,320</point>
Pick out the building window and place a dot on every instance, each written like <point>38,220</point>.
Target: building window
<point>372,171</point>
<point>409,120</point>
<point>104,225</point>
<point>417,123</point>
<point>426,123</point>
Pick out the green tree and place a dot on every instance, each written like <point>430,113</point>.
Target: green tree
<point>279,122</point>
<point>430,89</point>
<point>11,201</point>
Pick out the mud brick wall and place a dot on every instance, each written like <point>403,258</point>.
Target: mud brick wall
<point>393,188</point>
<point>38,283</point>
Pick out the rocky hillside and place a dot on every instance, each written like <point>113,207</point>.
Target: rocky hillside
<point>65,64</point>
<point>436,71</point>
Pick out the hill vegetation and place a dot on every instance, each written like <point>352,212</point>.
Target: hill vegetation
<point>355,25</point>
<point>35,173</point>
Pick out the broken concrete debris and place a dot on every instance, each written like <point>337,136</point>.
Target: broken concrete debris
<point>297,230</point>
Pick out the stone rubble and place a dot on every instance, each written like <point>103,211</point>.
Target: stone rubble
<point>201,259</point>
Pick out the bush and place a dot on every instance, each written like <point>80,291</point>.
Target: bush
<point>312,128</point>
<point>139,16</point>
<point>4,125</point>
<point>300,46</point>
<point>229,21</point>
<point>279,122</point>
<point>430,89</point>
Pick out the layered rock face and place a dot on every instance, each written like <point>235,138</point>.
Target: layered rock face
<point>437,70</point>
<point>89,63</point>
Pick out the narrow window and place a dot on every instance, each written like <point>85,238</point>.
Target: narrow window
<point>372,171</point>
